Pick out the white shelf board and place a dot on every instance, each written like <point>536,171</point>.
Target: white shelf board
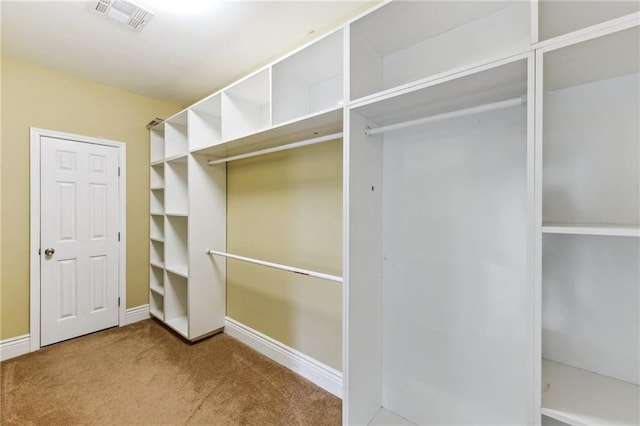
<point>157,239</point>
<point>314,125</point>
<point>177,214</point>
<point>579,397</point>
<point>588,229</point>
<point>179,158</point>
<point>386,417</point>
<point>180,270</point>
<point>157,290</point>
<point>180,325</point>
<point>496,82</point>
<point>157,188</point>
<point>157,264</point>
<point>157,162</point>
<point>154,213</point>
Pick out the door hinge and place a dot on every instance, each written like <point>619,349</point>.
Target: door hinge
<point>39,252</point>
<point>118,171</point>
<point>118,236</point>
<point>118,302</point>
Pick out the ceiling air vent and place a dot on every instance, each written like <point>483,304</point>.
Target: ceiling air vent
<point>154,122</point>
<point>126,12</point>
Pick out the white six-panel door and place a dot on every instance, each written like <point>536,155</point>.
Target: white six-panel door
<point>79,238</point>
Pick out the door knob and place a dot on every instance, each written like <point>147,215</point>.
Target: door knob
<point>49,251</point>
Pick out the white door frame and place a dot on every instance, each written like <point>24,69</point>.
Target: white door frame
<point>34,279</point>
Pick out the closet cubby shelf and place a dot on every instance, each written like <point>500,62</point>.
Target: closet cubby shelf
<point>416,34</point>
<point>157,239</point>
<point>157,264</point>
<point>309,81</point>
<point>589,229</point>
<point>176,214</point>
<point>158,290</point>
<point>579,397</point>
<point>180,270</point>
<point>157,162</point>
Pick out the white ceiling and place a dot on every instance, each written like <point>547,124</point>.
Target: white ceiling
<point>178,58</point>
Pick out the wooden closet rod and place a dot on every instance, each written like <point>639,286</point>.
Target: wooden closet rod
<point>452,114</point>
<point>305,142</point>
<point>278,266</point>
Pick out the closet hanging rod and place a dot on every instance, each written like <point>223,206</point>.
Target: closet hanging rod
<point>278,266</point>
<point>452,114</point>
<point>305,142</point>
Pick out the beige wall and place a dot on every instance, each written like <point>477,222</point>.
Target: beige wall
<point>286,208</point>
<point>44,98</point>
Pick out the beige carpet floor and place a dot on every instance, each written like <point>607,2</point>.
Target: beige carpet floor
<point>143,374</point>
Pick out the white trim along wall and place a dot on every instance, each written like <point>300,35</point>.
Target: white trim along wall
<point>320,374</point>
<point>20,345</point>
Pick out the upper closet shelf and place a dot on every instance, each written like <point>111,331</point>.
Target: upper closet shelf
<point>500,85</point>
<point>587,229</point>
<point>321,124</point>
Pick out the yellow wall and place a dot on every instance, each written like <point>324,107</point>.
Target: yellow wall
<point>286,208</point>
<point>33,96</point>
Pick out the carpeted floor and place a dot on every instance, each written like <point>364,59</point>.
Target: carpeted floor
<point>142,374</point>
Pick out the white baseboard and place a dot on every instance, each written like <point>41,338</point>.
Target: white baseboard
<point>139,313</point>
<point>322,375</point>
<point>13,347</point>
<point>16,346</point>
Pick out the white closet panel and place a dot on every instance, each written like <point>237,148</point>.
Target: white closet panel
<point>455,271</point>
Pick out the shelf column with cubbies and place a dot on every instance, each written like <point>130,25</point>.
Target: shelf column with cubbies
<point>589,92</point>
<point>156,222</point>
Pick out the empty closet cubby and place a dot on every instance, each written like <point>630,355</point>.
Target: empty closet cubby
<point>205,123</point>
<point>156,180</point>
<point>176,303</point>
<point>176,137</point>
<point>156,280</point>
<point>559,17</point>
<point>156,255</point>
<point>176,238</point>
<point>176,187</point>
<point>156,231</point>
<point>156,142</point>
<point>246,106</point>
<point>403,42</point>
<point>591,153</point>
<point>591,229</point>
<point>310,80</point>
<point>441,311</point>
<point>157,202</point>
<point>156,305</point>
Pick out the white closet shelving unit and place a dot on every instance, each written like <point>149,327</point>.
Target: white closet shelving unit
<point>187,282</point>
<point>590,167</point>
<point>492,206</point>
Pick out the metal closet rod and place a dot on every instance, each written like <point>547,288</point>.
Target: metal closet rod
<point>278,266</point>
<point>521,100</point>
<point>305,142</point>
